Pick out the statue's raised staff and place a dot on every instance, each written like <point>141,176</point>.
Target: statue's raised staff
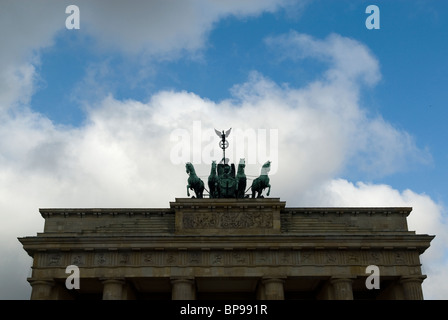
<point>262,182</point>
<point>223,144</point>
<point>194,182</point>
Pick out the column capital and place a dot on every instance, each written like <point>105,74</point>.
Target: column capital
<point>416,278</point>
<point>181,279</point>
<point>337,279</point>
<point>113,280</point>
<point>342,287</point>
<point>280,279</point>
<point>183,288</point>
<point>48,282</point>
<point>113,288</point>
<point>273,287</point>
<point>41,288</point>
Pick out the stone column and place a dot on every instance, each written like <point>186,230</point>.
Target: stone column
<point>113,289</point>
<point>260,295</point>
<point>183,289</point>
<point>41,289</point>
<point>342,288</point>
<point>412,287</point>
<point>273,289</point>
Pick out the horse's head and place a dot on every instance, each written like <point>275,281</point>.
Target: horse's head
<point>266,168</point>
<point>213,168</point>
<point>189,167</point>
<point>242,163</point>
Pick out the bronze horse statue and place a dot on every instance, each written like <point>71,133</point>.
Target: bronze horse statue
<point>194,182</point>
<point>262,182</point>
<point>241,180</point>
<point>213,180</point>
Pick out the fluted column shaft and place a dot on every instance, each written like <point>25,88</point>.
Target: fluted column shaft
<point>342,288</point>
<point>113,289</point>
<point>273,289</point>
<point>41,289</point>
<point>183,289</point>
<point>412,287</point>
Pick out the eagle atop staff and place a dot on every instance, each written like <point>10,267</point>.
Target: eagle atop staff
<point>223,144</point>
<point>223,135</point>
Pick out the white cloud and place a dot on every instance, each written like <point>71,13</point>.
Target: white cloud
<point>16,85</point>
<point>163,27</point>
<point>25,28</point>
<point>349,60</point>
<point>149,29</point>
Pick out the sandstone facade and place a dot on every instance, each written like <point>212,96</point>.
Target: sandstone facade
<point>227,249</point>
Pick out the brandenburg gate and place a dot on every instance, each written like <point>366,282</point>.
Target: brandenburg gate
<point>227,249</point>
<point>228,245</point>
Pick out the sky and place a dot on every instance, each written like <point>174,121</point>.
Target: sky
<point>107,114</point>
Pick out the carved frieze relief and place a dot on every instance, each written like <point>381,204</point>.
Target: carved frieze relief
<point>227,220</point>
<point>231,257</point>
<point>78,259</point>
<point>55,259</point>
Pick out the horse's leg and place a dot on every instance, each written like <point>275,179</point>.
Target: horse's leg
<point>241,188</point>
<point>237,191</point>
<point>255,186</point>
<point>201,189</point>
<point>195,190</point>
<point>188,190</point>
<point>269,190</point>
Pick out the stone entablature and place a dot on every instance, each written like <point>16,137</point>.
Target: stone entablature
<point>112,220</point>
<point>300,260</point>
<point>218,238</point>
<point>189,214</point>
